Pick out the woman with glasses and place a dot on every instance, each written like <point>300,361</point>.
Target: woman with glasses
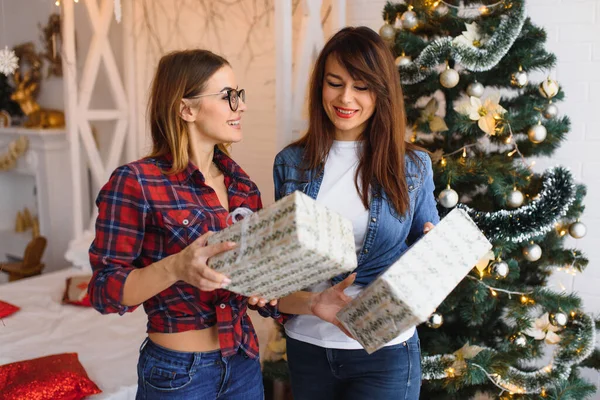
<point>355,150</point>
<point>154,216</point>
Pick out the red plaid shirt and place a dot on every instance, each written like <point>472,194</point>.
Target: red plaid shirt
<point>144,216</point>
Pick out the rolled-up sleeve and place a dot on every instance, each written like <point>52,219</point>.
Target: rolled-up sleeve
<point>120,229</point>
<point>425,204</point>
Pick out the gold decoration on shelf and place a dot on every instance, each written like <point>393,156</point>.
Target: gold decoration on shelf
<point>5,119</point>
<point>35,228</point>
<point>19,223</point>
<point>52,39</point>
<point>37,117</point>
<point>27,80</point>
<point>27,219</point>
<point>16,149</point>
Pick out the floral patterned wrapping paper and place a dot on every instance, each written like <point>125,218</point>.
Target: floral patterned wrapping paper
<point>290,245</point>
<point>410,290</point>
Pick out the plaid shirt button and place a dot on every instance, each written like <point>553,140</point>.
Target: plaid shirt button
<point>185,222</point>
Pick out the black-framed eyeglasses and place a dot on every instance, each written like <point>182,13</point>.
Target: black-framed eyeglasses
<point>233,95</point>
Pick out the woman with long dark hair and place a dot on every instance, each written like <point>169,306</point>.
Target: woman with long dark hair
<point>354,159</point>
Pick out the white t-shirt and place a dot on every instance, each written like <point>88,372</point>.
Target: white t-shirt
<point>338,192</point>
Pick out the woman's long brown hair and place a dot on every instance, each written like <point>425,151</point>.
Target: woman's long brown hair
<point>367,58</point>
<point>179,75</point>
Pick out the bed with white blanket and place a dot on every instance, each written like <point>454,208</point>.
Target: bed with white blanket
<point>107,345</point>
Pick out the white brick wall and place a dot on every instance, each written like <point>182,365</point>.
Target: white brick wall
<point>573,28</point>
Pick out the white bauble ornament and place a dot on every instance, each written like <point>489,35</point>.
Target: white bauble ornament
<point>499,269</point>
<point>475,89</point>
<point>435,320</point>
<point>409,19</point>
<point>403,60</point>
<point>448,197</point>
<point>519,79</point>
<point>532,252</point>
<point>398,22</point>
<point>515,198</point>
<point>449,78</point>
<point>387,32</point>
<point>577,230</point>
<point>549,88</point>
<point>520,340</point>
<point>550,111</point>
<point>441,10</point>
<point>559,319</point>
<point>537,133</point>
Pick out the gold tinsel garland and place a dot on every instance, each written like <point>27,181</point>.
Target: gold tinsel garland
<point>16,149</point>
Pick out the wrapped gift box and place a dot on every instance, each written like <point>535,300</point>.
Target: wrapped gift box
<point>290,245</point>
<point>410,290</point>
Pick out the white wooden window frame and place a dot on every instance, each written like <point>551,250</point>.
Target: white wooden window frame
<point>78,95</point>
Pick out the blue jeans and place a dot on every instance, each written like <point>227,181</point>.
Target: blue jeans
<point>175,375</point>
<point>319,373</point>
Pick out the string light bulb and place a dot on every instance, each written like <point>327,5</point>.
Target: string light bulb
<point>524,299</point>
<point>443,162</point>
<point>57,3</point>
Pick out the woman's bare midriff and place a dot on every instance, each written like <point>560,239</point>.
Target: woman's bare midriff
<point>189,341</point>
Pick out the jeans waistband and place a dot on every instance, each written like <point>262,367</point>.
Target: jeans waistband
<point>161,352</point>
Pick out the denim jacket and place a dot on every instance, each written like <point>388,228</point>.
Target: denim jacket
<point>388,233</point>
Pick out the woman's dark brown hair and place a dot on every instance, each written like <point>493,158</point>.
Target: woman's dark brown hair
<point>179,75</point>
<point>367,58</point>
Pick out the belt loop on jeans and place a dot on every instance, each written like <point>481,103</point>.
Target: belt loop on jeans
<point>144,343</point>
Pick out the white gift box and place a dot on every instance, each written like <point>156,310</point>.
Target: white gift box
<point>410,290</point>
<point>288,246</point>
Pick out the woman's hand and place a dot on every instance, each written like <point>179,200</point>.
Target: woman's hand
<point>260,301</point>
<point>191,264</point>
<point>329,302</point>
<point>427,227</point>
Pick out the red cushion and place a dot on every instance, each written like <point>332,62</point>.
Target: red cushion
<point>76,291</point>
<point>56,377</point>
<point>7,309</point>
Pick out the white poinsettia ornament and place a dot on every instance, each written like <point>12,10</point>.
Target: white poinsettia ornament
<point>436,123</point>
<point>472,37</point>
<point>8,61</point>
<point>486,112</point>
<point>542,329</point>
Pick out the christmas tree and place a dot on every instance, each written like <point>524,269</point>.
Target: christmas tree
<point>464,69</point>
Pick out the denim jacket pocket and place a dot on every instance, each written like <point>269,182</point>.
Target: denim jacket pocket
<point>290,186</point>
<point>413,184</point>
<point>182,226</point>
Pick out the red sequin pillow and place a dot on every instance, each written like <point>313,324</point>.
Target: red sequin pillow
<point>56,377</point>
<point>76,291</point>
<point>7,309</point>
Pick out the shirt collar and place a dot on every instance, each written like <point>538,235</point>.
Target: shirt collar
<point>223,162</point>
